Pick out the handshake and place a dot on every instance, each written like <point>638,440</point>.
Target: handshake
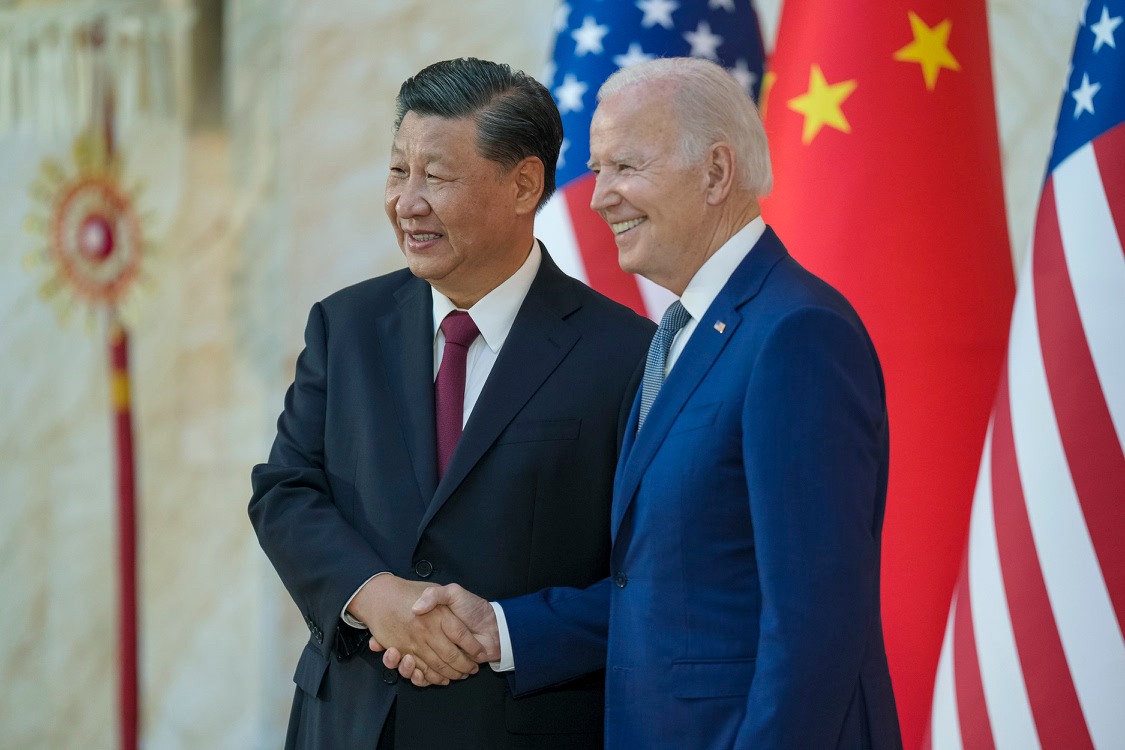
<point>430,634</point>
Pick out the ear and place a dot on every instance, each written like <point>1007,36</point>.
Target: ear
<point>527,179</point>
<point>720,172</point>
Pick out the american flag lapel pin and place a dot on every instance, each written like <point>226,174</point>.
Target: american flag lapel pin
<point>720,326</point>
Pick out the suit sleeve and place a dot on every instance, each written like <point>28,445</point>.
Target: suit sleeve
<point>319,556</point>
<point>557,634</point>
<point>814,448</point>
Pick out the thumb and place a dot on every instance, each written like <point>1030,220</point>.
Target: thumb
<point>431,598</point>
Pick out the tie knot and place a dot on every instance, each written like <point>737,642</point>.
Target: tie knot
<point>675,317</point>
<point>459,328</point>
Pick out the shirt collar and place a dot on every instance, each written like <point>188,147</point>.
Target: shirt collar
<point>495,312</point>
<point>710,279</point>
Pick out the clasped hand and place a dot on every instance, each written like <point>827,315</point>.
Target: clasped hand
<point>466,620</point>
<point>442,645</point>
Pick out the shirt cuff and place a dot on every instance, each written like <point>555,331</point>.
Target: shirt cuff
<point>347,618</point>
<point>507,662</point>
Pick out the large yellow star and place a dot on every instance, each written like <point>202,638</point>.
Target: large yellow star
<point>929,49</point>
<point>821,105</point>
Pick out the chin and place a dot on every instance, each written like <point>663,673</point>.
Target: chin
<point>629,260</point>
<point>423,268</point>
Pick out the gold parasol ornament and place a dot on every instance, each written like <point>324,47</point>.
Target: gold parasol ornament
<point>93,236</point>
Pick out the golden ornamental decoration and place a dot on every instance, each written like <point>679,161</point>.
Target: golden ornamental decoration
<point>93,237</point>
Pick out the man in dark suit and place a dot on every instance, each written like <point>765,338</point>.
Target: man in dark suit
<point>742,610</point>
<point>382,481</point>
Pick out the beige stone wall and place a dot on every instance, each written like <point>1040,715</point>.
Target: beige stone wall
<point>256,222</point>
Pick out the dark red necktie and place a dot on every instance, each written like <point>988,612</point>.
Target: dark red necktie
<point>449,388</point>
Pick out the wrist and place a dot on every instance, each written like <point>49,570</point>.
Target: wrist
<point>364,603</point>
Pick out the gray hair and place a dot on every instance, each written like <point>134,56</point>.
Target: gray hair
<point>515,115</point>
<point>711,106</point>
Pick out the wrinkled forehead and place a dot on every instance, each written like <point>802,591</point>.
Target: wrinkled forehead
<point>434,136</point>
<point>643,94</point>
<point>626,121</point>
<point>637,103</point>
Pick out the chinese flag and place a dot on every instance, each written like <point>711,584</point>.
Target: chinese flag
<point>882,127</point>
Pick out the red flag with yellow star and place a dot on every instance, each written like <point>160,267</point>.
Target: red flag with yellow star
<point>882,126</point>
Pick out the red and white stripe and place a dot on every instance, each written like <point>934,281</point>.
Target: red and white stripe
<point>582,245</point>
<point>1034,654</point>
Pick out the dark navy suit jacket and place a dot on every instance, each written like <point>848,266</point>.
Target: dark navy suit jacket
<point>350,488</point>
<point>742,610</point>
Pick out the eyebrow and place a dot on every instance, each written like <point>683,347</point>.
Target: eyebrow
<point>623,157</point>
<point>428,156</point>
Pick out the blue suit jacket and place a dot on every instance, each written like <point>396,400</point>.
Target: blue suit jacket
<point>742,609</point>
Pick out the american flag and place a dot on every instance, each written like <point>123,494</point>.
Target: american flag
<point>593,39</point>
<point>1033,653</point>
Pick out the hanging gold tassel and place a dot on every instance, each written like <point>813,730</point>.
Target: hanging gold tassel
<point>48,54</point>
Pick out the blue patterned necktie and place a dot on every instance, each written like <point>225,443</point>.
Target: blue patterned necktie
<point>675,318</point>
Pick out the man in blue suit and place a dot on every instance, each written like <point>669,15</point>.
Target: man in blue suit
<point>742,609</point>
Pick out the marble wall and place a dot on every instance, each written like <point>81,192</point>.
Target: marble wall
<point>255,223</point>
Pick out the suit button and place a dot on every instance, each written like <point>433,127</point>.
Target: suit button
<point>424,568</point>
<point>390,676</point>
<point>621,579</point>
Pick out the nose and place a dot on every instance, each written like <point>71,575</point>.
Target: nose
<point>604,195</point>
<point>408,198</point>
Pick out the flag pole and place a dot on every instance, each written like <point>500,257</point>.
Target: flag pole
<point>126,532</point>
<point>128,689</point>
<point>93,245</point>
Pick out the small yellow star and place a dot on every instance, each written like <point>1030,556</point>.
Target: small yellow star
<point>929,49</point>
<point>821,105</point>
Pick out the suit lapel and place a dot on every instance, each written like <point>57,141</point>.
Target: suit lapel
<point>706,344</point>
<point>539,340</point>
<point>619,475</point>
<point>701,352</point>
<point>407,333</point>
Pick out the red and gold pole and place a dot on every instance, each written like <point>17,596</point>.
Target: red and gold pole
<point>93,249</point>
<point>128,687</point>
<point>129,694</point>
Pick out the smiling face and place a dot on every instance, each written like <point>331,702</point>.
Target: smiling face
<point>653,198</point>
<point>462,221</point>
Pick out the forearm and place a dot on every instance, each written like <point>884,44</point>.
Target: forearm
<point>317,554</point>
<point>810,657</point>
<point>557,634</point>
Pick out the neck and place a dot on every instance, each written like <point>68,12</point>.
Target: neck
<point>733,218</point>
<point>730,219</point>
<point>487,279</point>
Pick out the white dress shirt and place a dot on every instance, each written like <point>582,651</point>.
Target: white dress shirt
<point>709,280</point>
<point>494,315</point>
<point>700,292</point>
